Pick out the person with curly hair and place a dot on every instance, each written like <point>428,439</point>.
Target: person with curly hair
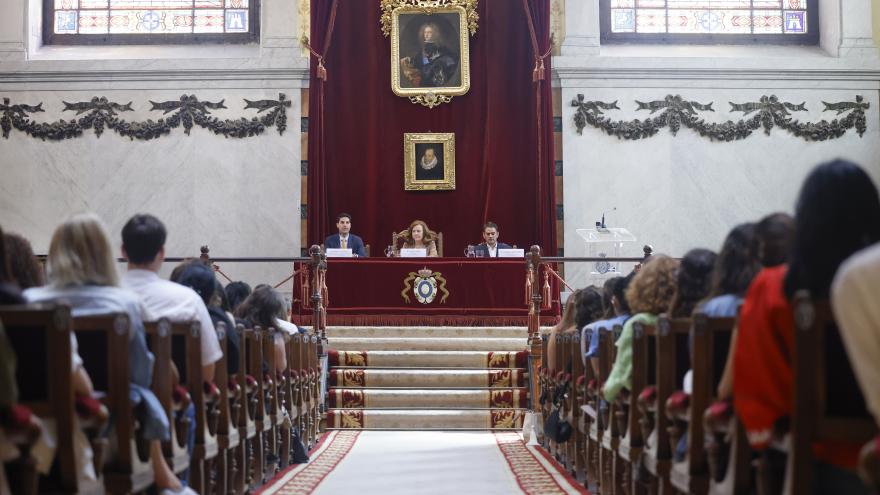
<point>649,294</point>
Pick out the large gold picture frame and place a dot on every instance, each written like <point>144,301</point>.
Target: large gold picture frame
<point>430,49</point>
<point>429,161</point>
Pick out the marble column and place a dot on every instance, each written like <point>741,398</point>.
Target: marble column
<point>582,30</point>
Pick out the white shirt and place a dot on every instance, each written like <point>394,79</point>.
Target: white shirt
<point>178,303</point>
<point>854,297</point>
<point>287,326</point>
<point>493,250</point>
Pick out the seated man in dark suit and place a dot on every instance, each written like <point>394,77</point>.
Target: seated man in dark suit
<point>345,239</point>
<point>489,248</point>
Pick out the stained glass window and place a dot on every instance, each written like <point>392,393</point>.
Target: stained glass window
<point>148,21</point>
<point>792,21</point>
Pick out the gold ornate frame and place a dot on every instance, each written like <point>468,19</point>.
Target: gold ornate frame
<point>467,18</point>
<point>409,167</point>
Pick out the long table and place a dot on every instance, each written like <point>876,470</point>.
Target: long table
<point>382,291</point>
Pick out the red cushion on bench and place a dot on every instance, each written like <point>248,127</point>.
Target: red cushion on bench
<point>87,407</point>
<point>678,401</point>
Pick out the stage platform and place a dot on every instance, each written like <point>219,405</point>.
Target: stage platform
<point>382,291</point>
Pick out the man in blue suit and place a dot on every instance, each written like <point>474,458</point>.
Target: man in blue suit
<point>345,239</point>
<point>489,248</point>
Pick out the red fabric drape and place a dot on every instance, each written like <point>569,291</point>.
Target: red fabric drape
<point>359,168</point>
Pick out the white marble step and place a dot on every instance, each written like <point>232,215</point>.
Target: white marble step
<point>440,398</point>
<point>427,344</point>
<point>427,378</point>
<point>425,419</point>
<point>419,332</point>
<point>429,359</point>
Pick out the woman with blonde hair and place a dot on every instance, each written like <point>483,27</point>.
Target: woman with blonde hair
<point>649,294</point>
<point>421,237</point>
<point>82,274</point>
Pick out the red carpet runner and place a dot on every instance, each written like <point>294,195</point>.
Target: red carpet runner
<point>304,478</point>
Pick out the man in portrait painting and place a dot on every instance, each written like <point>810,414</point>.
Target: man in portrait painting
<point>432,63</point>
<point>429,161</point>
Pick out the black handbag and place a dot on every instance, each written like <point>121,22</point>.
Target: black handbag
<point>556,428</point>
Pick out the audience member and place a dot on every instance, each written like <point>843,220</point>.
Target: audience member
<point>854,296</point>
<point>649,294</point>
<point>236,293</point>
<point>421,237</point>
<point>10,293</point>
<point>82,274</point>
<point>836,197</point>
<point>737,265</point>
<point>566,324</point>
<point>607,296</point>
<point>692,282</point>
<point>24,267</point>
<point>774,234</point>
<point>261,309</point>
<point>620,314</point>
<point>143,244</point>
<point>200,278</point>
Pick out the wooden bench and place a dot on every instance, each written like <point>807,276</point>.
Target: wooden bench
<point>828,404</point>
<point>592,424</point>
<point>610,476</point>
<point>104,348</point>
<point>40,334</point>
<point>230,459</point>
<point>250,447</point>
<point>174,400</point>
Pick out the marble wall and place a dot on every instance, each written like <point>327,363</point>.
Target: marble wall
<point>241,197</point>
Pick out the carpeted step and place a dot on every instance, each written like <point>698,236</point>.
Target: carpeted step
<point>429,359</point>
<point>425,419</point>
<point>420,332</point>
<point>427,344</point>
<point>427,378</point>
<point>399,398</point>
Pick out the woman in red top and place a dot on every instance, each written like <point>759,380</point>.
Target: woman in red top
<point>837,214</point>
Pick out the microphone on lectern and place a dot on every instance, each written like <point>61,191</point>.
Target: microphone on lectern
<point>601,224</point>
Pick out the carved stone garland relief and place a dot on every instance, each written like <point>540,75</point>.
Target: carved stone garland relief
<point>676,112</point>
<point>99,113</point>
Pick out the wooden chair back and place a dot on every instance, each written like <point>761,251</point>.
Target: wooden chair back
<point>159,342</point>
<point>40,334</point>
<point>403,237</point>
<point>103,345</point>
<point>229,405</point>
<point>828,404</point>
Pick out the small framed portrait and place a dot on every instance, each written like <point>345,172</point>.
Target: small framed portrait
<point>429,161</point>
<point>430,60</point>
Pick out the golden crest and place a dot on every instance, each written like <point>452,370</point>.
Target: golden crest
<point>353,398</point>
<point>426,286</point>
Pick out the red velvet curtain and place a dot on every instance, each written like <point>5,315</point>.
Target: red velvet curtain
<point>356,163</point>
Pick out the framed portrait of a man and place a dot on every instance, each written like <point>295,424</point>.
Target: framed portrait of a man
<point>429,161</point>
<point>430,60</point>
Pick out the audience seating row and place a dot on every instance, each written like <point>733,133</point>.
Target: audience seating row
<point>247,426</point>
<point>659,439</point>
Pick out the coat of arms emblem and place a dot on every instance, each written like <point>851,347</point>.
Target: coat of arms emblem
<point>424,285</point>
